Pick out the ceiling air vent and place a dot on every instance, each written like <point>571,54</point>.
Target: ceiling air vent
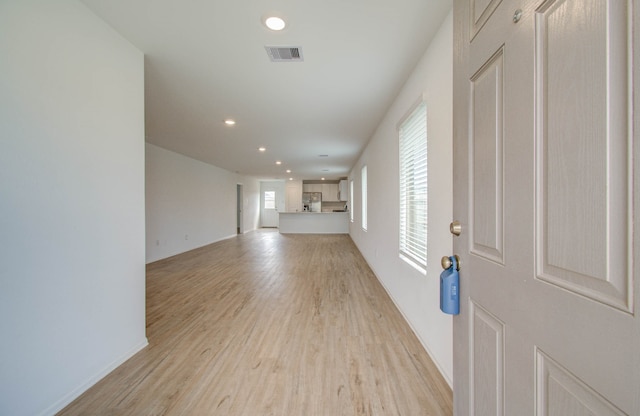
<point>284,53</point>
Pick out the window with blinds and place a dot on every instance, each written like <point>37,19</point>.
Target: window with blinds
<point>413,188</point>
<point>269,200</point>
<point>351,199</point>
<point>363,203</point>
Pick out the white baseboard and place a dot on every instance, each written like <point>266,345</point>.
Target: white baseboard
<point>422,341</point>
<point>171,254</point>
<point>75,393</point>
<point>399,308</point>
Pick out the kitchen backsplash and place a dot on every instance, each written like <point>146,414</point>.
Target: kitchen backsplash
<point>331,206</point>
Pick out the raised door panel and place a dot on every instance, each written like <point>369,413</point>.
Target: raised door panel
<point>481,11</point>
<point>560,393</point>
<point>583,141</point>
<point>486,159</point>
<point>486,334</point>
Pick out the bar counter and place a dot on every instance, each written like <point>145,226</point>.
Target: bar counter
<point>314,222</point>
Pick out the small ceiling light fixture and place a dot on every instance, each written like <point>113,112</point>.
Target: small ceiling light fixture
<point>322,178</point>
<point>230,122</point>
<point>290,179</point>
<point>274,23</point>
<point>278,162</point>
<point>288,170</point>
<point>262,149</point>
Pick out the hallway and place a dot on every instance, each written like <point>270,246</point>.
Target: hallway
<point>271,324</point>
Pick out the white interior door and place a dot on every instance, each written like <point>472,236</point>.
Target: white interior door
<point>546,188</point>
<point>271,202</point>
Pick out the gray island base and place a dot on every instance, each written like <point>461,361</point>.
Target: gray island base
<point>314,222</point>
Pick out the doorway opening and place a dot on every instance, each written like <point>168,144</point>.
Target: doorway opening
<point>239,201</point>
<point>271,203</point>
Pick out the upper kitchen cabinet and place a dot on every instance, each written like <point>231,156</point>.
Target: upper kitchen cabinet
<point>343,190</point>
<point>312,187</point>
<point>330,192</point>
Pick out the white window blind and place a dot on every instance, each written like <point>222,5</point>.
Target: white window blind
<point>363,203</point>
<point>351,199</point>
<point>270,200</point>
<point>413,188</point>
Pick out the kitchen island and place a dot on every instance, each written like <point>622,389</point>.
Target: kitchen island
<point>314,222</point>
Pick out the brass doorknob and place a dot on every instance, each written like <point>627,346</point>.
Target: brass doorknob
<point>447,263</point>
<point>455,228</point>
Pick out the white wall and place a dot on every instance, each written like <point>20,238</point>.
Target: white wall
<point>72,272</point>
<point>415,295</point>
<point>191,204</point>
<point>293,190</point>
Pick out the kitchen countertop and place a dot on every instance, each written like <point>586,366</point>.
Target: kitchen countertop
<point>304,222</point>
<point>308,212</point>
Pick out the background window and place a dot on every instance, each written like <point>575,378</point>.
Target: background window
<point>413,188</point>
<point>351,199</point>
<point>364,197</point>
<point>269,200</point>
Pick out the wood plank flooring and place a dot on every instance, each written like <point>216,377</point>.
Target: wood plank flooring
<point>271,324</point>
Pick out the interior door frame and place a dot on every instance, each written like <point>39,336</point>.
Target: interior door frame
<point>279,188</point>
<point>239,208</point>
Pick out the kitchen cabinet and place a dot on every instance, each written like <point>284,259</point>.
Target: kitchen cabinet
<point>329,192</point>
<point>312,187</point>
<point>343,190</point>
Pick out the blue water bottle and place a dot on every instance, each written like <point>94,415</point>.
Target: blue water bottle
<point>450,288</point>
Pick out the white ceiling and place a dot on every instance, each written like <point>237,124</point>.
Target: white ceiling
<point>205,61</point>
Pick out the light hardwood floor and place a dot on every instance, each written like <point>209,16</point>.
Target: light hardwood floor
<point>271,324</point>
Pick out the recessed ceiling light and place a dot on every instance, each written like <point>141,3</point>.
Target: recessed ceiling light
<point>274,23</point>
<point>288,170</point>
<point>278,162</point>
<point>262,149</point>
<point>322,178</point>
<point>290,179</point>
<point>230,122</point>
